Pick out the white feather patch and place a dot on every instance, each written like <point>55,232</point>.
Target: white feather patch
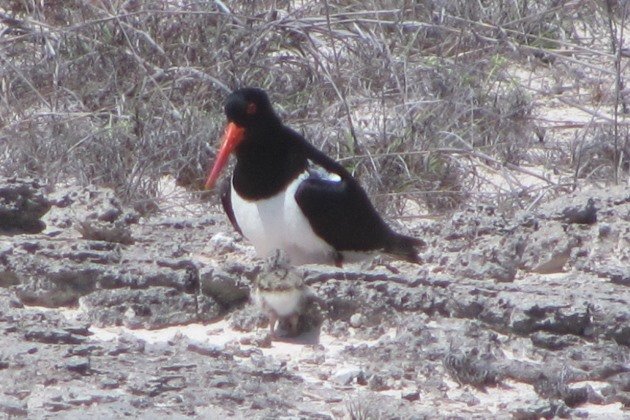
<point>283,302</point>
<point>278,223</point>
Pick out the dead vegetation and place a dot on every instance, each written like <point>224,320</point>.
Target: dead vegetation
<point>440,102</point>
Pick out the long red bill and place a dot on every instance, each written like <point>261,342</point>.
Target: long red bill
<point>234,134</point>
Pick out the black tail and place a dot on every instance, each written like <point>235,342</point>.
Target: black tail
<point>404,247</point>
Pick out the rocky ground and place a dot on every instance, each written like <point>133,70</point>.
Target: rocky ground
<point>106,314</point>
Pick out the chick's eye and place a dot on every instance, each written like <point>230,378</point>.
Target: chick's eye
<point>251,108</point>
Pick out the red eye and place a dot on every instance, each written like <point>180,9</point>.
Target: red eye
<point>251,108</point>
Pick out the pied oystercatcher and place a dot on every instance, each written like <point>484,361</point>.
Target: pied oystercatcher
<point>286,194</point>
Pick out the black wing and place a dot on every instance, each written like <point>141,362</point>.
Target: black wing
<point>226,202</point>
<point>337,208</point>
<point>341,213</point>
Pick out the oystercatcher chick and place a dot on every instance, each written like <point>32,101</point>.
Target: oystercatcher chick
<point>281,292</point>
<point>286,194</point>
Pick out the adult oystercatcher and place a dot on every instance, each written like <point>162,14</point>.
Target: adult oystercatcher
<point>286,194</point>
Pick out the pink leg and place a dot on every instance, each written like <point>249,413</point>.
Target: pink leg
<point>272,323</point>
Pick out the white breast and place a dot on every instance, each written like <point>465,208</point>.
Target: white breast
<point>283,303</point>
<point>278,223</point>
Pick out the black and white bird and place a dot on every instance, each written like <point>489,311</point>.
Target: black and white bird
<point>286,194</point>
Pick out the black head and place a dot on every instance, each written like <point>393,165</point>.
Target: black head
<point>248,107</point>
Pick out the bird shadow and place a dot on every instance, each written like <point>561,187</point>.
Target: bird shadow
<point>308,337</point>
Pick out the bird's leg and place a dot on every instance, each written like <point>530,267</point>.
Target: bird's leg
<point>272,323</point>
<point>338,259</point>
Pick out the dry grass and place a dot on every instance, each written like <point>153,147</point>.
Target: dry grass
<point>418,100</point>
